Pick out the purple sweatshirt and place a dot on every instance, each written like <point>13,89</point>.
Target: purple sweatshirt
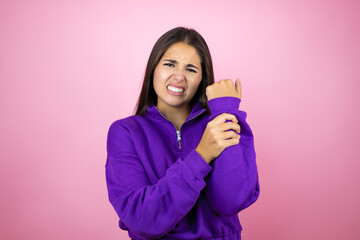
<point>161,188</point>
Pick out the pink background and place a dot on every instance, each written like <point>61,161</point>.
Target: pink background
<point>69,68</point>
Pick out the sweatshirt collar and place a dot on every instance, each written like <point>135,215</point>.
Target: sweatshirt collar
<point>154,112</point>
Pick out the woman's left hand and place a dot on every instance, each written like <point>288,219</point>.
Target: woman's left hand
<point>224,88</point>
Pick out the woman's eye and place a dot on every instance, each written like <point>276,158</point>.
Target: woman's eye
<point>191,70</point>
<point>169,64</point>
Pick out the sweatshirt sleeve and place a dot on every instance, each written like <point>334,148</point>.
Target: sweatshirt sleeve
<point>149,211</point>
<point>233,184</point>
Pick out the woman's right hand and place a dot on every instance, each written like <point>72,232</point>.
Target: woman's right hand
<point>217,136</point>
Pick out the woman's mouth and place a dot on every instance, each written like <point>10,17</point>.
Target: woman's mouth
<point>175,90</point>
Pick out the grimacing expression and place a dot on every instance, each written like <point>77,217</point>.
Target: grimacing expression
<point>177,76</point>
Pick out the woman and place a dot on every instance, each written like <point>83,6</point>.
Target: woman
<point>184,166</point>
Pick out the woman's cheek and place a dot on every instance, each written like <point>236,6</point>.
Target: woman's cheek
<point>195,86</point>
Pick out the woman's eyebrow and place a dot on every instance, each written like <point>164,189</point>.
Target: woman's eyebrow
<point>170,60</point>
<point>188,65</point>
<point>193,66</point>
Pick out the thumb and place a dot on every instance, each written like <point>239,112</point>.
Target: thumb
<point>238,87</point>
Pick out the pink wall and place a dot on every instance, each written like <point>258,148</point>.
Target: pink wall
<point>69,68</point>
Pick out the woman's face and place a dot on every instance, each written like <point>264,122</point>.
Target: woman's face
<point>177,76</point>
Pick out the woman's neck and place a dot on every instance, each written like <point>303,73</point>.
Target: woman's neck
<point>176,115</point>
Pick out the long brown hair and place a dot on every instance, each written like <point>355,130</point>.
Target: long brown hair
<point>180,34</point>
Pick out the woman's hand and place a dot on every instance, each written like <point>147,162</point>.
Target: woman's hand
<point>224,88</point>
<point>217,136</point>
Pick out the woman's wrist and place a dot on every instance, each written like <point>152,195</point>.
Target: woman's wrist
<point>203,155</point>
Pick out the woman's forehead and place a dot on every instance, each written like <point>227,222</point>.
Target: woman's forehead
<point>182,52</point>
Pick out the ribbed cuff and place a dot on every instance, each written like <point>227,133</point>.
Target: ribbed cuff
<point>223,104</point>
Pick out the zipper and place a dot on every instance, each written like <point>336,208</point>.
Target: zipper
<point>178,132</point>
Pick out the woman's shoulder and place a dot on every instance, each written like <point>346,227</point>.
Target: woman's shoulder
<point>127,120</point>
<point>129,124</point>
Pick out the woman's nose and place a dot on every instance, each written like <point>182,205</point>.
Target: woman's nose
<point>179,75</point>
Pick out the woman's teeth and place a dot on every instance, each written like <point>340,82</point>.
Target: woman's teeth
<point>175,89</point>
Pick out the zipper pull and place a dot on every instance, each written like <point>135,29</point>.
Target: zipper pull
<point>179,138</point>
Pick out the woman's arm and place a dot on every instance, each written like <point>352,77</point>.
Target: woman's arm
<point>233,184</point>
<point>150,210</point>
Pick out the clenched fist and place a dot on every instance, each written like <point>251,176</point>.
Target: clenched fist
<point>224,88</point>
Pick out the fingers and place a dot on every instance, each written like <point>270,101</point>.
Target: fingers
<point>220,133</point>
<point>230,135</point>
<point>238,87</point>
<point>231,141</point>
<point>224,117</point>
<point>229,126</point>
<point>220,122</point>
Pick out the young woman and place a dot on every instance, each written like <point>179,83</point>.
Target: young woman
<point>184,166</point>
